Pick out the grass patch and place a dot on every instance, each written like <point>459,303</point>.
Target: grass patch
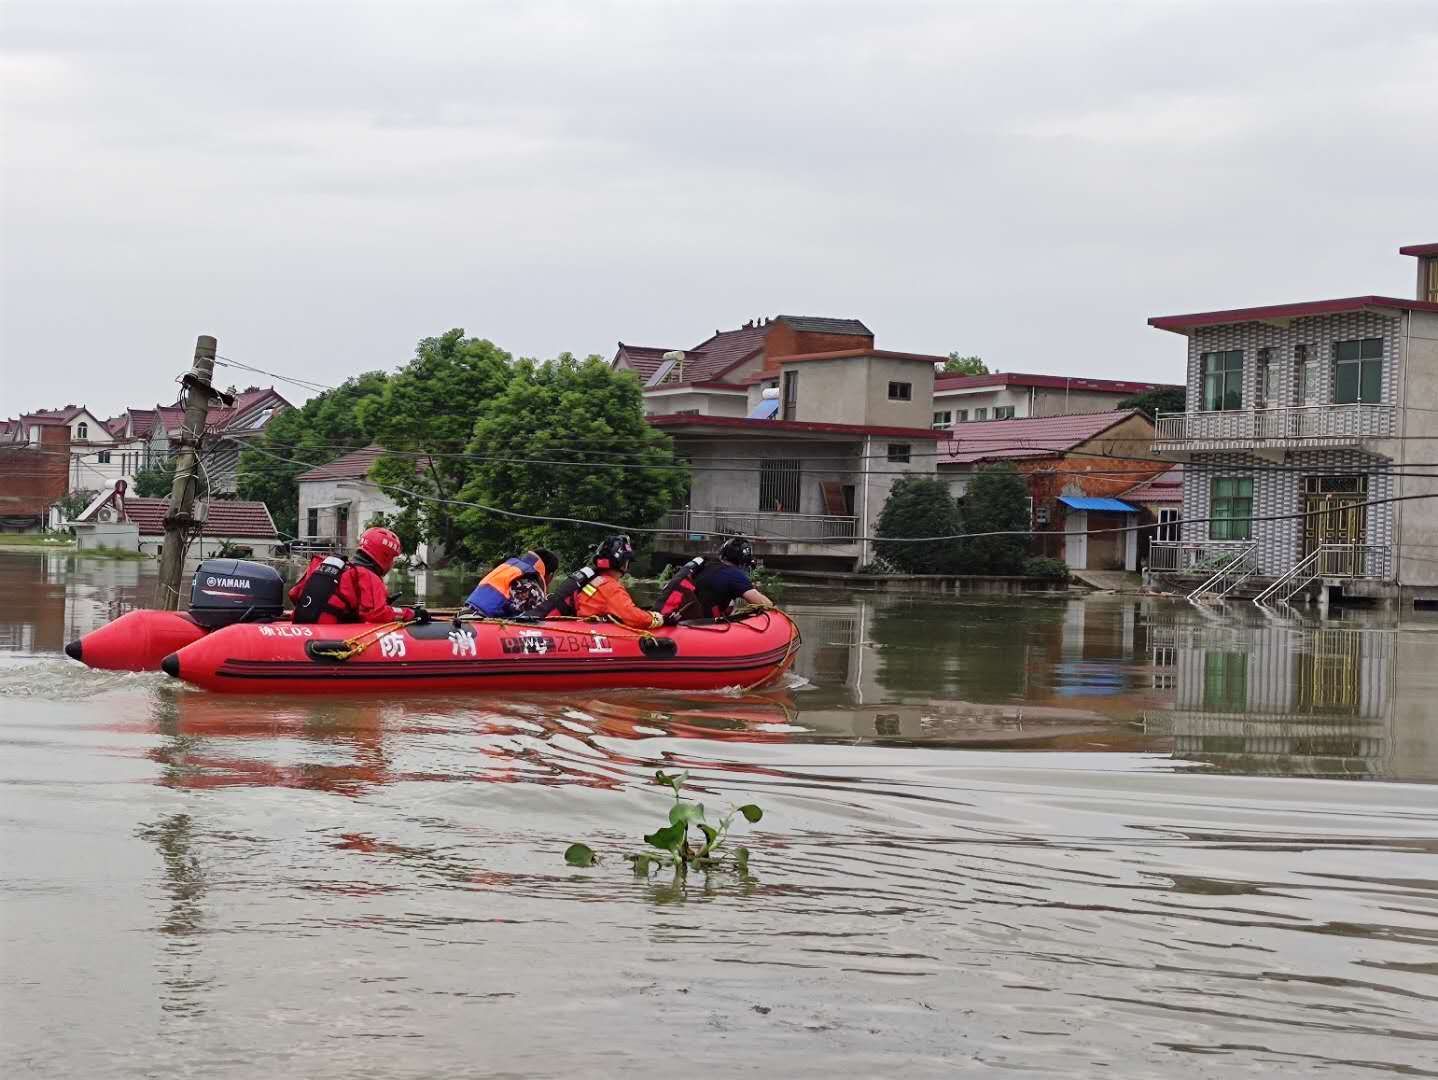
<point>36,540</point>
<point>110,553</point>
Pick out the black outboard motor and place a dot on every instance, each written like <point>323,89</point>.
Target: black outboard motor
<point>226,591</point>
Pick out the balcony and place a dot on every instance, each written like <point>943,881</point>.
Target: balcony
<point>763,528</point>
<point>1330,562</point>
<point>1292,426</point>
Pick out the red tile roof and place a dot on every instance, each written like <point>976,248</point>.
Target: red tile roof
<point>1419,249</point>
<point>1181,324</point>
<point>352,466</point>
<point>769,427</point>
<point>1166,487</point>
<point>1047,382</point>
<point>713,358</point>
<point>224,518</point>
<point>1031,437</point>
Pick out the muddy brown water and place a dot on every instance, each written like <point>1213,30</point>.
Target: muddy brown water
<point>1099,837</point>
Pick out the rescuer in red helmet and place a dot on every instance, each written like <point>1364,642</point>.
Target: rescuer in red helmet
<point>339,590</point>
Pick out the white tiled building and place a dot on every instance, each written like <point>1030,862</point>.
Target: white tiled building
<point>1300,420</point>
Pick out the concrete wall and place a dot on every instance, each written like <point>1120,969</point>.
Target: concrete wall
<point>1028,402</point>
<point>707,403</point>
<point>363,498</point>
<point>1416,520</point>
<point>210,546</point>
<point>108,534</point>
<point>856,391</point>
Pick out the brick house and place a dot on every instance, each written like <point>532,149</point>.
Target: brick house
<point>137,523</point>
<point>34,470</point>
<point>1300,420</point>
<point>1077,468</point>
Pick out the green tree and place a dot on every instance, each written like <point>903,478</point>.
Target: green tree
<point>426,417</point>
<point>997,500</point>
<point>155,480</point>
<point>1153,402</point>
<point>324,428</point>
<point>964,365</point>
<point>575,411</point>
<point>73,503</point>
<point>919,506</point>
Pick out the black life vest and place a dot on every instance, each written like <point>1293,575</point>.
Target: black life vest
<point>321,593</point>
<point>563,600</point>
<point>681,596</point>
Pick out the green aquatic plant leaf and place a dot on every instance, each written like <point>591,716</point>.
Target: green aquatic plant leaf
<point>668,838</point>
<point>711,836</point>
<point>672,780</point>
<point>751,813</point>
<point>580,855</point>
<point>642,863</point>
<point>685,813</point>
<point>741,858</point>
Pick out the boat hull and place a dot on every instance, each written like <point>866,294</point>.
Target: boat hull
<point>137,641</point>
<point>284,658</point>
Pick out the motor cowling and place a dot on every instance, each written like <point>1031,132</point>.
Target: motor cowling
<point>226,591</point>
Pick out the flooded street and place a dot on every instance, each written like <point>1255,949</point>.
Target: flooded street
<point>1083,837</point>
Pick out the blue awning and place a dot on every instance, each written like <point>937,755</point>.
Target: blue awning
<point>1083,502</point>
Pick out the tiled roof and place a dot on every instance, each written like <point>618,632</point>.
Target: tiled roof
<point>224,518</point>
<point>352,466</point>
<point>1037,436</point>
<point>1049,382</point>
<point>68,413</point>
<point>851,354</point>
<point>819,324</point>
<point>1166,487</point>
<point>1419,249</point>
<point>723,351</point>
<point>1182,324</point>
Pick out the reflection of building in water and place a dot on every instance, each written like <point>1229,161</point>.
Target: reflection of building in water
<point>54,596</point>
<point>1285,699</point>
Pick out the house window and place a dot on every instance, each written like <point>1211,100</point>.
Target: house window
<point>981,414</point>
<point>961,416</point>
<point>943,419</point>
<point>1170,526</point>
<point>899,452</point>
<point>1231,508</point>
<point>901,391</point>
<point>1003,412</point>
<point>1358,371</point>
<point>103,457</point>
<point>312,523</point>
<point>779,485</point>
<point>82,431</point>
<point>1265,377</point>
<point>1302,373</point>
<point>790,395</point>
<point>686,412</point>
<point>1222,380</point>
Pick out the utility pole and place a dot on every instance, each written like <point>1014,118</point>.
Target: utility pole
<point>179,519</point>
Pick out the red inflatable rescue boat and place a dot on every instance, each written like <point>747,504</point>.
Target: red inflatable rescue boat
<point>751,651</point>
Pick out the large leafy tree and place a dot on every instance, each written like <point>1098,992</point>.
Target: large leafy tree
<point>997,500</point>
<point>324,428</point>
<point>565,438</point>
<point>919,506</point>
<point>964,365</point>
<point>426,417</point>
<point>1153,402</point>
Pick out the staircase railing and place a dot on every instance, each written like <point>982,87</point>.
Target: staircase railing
<point>1234,571</point>
<point>1324,561</point>
<point>1298,577</point>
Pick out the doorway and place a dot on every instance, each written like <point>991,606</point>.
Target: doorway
<point>1335,514</point>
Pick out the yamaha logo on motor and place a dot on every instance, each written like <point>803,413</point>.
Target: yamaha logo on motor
<point>228,582</point>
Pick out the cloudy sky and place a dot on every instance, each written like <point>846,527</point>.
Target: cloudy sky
<point>319,184</point>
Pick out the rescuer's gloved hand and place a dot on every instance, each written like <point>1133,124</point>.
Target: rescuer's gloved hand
<point>421,615</point>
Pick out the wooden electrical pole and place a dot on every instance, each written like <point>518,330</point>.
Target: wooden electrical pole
<point>179,519</point>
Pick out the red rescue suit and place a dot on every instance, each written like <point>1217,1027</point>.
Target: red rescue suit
<point>359,597</point>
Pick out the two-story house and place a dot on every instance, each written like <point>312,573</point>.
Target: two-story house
<point>1307,437</point>
<point>1010,395</point>
<point>795,429</point>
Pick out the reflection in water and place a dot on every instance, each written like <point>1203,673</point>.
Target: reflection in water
<point>338,887</point>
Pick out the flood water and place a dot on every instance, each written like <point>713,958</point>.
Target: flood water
<point>1081,837</point>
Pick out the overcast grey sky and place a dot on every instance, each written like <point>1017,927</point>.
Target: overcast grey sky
<point>321,184</point>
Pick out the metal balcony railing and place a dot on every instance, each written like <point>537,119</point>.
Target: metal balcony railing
<point>1194,556</point>
<point>761,526</point>
<point>1232,571</point>
<point>1327,561</point>
<point>1289,423</point>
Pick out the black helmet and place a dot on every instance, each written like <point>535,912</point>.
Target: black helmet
<point>737,551</point>
<point>615,553</point>
<point>549,559</point>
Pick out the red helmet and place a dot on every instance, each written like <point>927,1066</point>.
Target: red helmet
<point>382,547</point>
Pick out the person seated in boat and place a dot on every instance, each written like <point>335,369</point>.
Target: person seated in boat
<point>515,586</point>
<point>334,589</point>
<point>605,596</point>
<point>710,588</point>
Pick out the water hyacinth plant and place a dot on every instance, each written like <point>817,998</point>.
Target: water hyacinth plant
<point>670,845</point>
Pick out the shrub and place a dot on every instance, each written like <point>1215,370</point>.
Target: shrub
<point>1040,567</point>
<point>919,506</point>
<point>997,501</point>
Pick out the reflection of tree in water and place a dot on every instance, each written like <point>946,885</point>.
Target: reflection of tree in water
<point>980,652</point>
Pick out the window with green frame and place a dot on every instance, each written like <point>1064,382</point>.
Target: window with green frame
<point>1231,508</point>
<point>1358,371</point>
<point>1222,380</point>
